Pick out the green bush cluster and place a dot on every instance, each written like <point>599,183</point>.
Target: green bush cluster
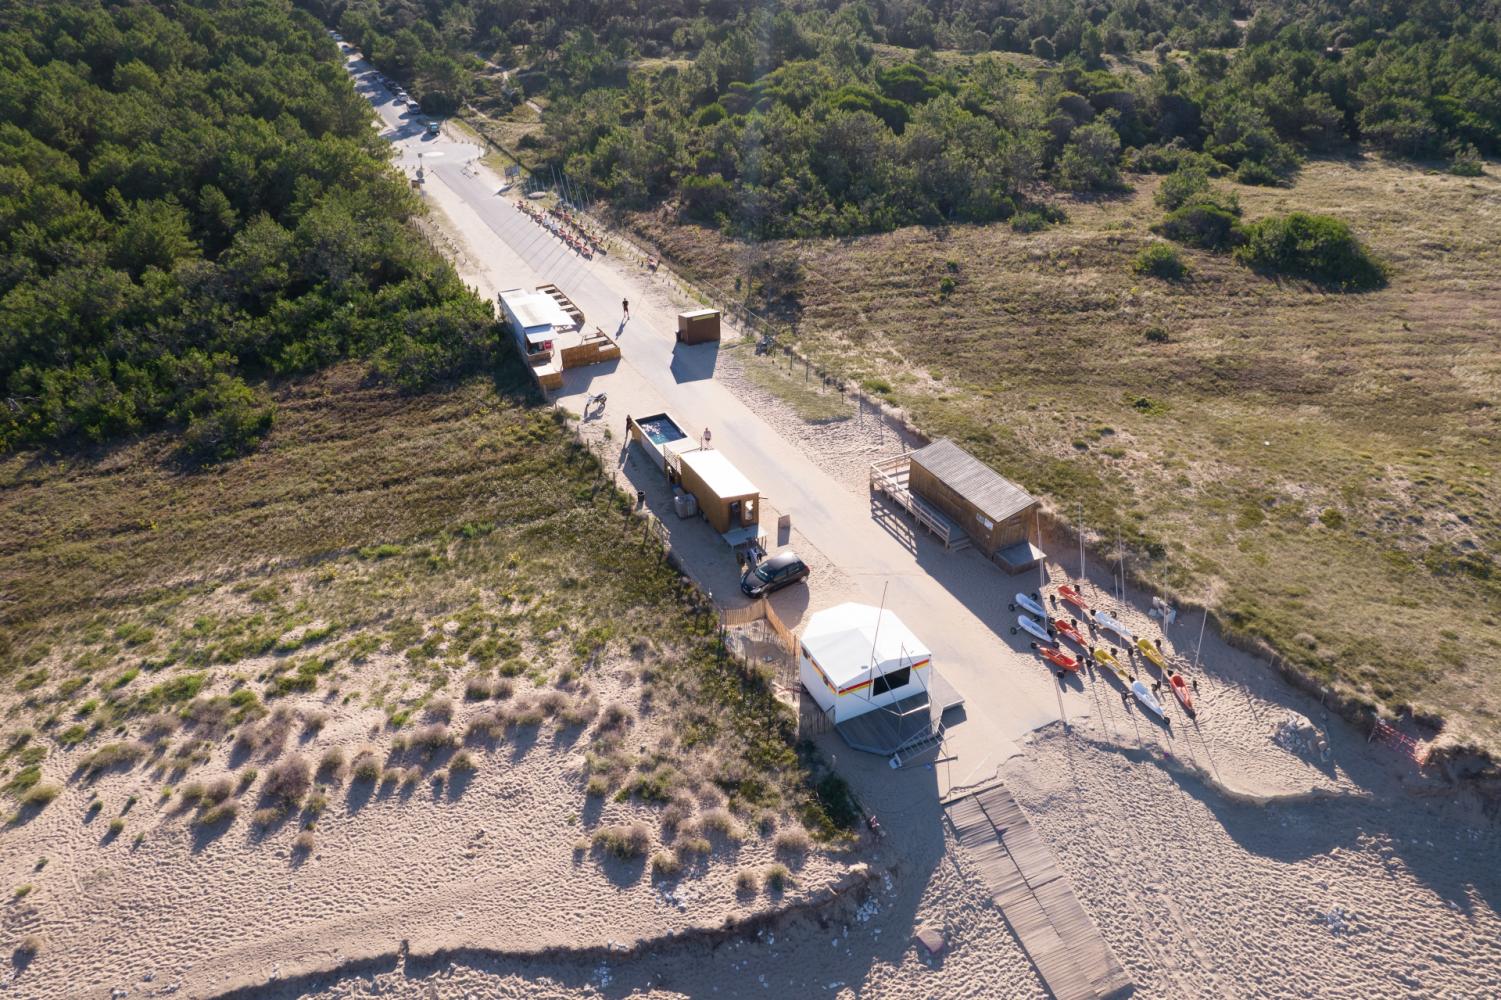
<point>192,201</point>
<point>1161,261</point>
<point>786,119</point>
<point>1315,247</point>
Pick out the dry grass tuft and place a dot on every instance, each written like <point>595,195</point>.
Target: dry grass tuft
<point>623,841</point>
<point>112,755</point>
<point>331,764</point>
<point>432,738</point>
<point>793,841</point>
<point>41,794</point>
<point>288,781</point>
<point>719,821</point>
<point>665,864</point>
<point>440,708</point>
<point>692,846</point>
<point>223,812</point>
<point>777,878</point>
<point>615,719</point>
<point>304,842</point>
<point>747,880</point>
<point>366,767</point>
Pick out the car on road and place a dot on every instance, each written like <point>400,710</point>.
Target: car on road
<point>774,573</point>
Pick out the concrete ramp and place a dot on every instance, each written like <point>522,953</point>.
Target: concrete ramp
<point>1062,941</point>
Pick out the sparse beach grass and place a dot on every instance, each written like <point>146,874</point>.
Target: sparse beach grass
<point>461,539</point>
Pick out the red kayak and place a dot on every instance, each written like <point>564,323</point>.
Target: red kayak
<point>1182,690</point>
<point>1059,658</point>
<point>1066,629</point>
<point>1071,596</point>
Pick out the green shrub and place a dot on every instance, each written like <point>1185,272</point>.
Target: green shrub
<point>1160,261</point>
<point>837,800</point>
<point>1182,186</point>
<point>1156,335</point>
<point>1258,174</point>
<point>1467,162</point>
<point>1203,225</point>
<point>24,779</point>
<point>1316,247</point>
<point>224,419</point>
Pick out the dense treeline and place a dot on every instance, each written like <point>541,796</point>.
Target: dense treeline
<point>191,200</point>
<point>793,119</point>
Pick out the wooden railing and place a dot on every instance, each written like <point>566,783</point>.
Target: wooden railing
<point>889,476</point>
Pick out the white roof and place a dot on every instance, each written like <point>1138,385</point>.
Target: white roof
<point>533,309</point>
<point>843,638</point>
<point>722,478</point>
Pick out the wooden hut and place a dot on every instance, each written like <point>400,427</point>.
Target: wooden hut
<point>698,326</point>
<point>998,516</point>
<point>728,500</point>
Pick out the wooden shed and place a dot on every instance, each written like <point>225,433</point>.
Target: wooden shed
<point>999,516</point>
<point>728,500</point>
<point>698,326</point>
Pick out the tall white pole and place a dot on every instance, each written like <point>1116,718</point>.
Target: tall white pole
<point>1081,546</point>
<point>1198,648</point>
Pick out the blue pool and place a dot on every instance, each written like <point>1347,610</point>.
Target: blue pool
<point>661,429</point>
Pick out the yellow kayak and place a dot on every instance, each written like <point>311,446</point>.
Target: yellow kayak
<point>1152,653</point>
<point>1103,656</point>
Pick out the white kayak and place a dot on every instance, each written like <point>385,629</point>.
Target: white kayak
<point>1145,696</point>
<point>1026,603</point>
<point>1033,629</point>
<point>1110,623</point>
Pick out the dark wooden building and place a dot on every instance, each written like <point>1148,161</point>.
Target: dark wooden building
<point>999,516</point>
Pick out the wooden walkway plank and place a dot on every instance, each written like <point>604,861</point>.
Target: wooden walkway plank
<point>1063,943</point>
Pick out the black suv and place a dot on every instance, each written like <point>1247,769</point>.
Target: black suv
<point>773,573</point>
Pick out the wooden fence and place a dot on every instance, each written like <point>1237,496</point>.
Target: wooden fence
<point>1400,742</point>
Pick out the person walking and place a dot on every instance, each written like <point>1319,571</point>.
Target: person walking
<point>625,307</point>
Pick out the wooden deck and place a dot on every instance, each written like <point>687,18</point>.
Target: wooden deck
<point>1062,941</point>
<point>889,477</point>
<point>907,728</point>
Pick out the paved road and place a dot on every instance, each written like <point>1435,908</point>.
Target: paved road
<point>954,602</point>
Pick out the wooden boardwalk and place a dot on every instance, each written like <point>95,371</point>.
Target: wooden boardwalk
<point>1062,941</point>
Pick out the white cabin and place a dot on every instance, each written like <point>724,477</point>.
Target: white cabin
<point>854,658</point>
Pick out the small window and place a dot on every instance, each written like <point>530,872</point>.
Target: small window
<point>892,680</point>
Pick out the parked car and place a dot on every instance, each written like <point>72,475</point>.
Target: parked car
<point>433,128</point>
<point>414,108</point>
<point>774,573</point>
